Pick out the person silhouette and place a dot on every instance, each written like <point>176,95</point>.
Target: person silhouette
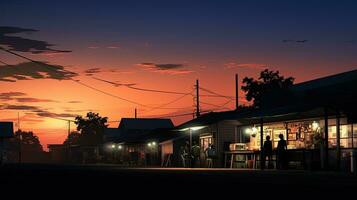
<point>195,154</point>
<point>267,151</point>
<point>281,153</point>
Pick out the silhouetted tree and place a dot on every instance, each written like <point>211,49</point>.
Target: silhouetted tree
<point>266,82</point>
<point>73,138</point>
<point>92,128</point>
<point>28,141</point>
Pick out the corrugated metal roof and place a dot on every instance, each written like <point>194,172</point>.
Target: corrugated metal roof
<point>326,81</point>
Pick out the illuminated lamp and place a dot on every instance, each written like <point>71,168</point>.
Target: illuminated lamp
<point>315,126</point>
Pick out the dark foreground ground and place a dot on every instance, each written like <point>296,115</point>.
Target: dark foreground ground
<point>158,183</point>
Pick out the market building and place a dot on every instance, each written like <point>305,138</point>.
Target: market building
<point>317,118</point>
<point>136,141</point>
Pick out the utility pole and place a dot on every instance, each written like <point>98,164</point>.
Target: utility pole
<point>18,121</point>
<point>69,127</point>
<point>20,137</point>
<point>136,113</point>
<point>197,99</point>
<point>237,92</point>
<point>69,144</point>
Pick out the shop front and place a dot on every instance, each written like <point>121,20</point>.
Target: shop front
<point>309,144</point>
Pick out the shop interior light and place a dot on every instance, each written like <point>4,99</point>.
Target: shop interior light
<point>254,130</point>
<point>193,128</point>
<point>315,126</point>
<point>248,131</point>
<point>149,144</point>
<point>113,146</point>
<point>153,143</point>
<point>120,147</point>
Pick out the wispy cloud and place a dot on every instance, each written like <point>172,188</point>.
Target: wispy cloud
<point>113,47</point>
<point>27,117</point>
<point>19,97</point>
<point>232,65</point>
<point>7,96</point>
<point>92,71</point>
<point>54,115</point>
<point>294,41</point>
<point>97,70</point>
<point>39,111</point>
<point>31,70</point>
<point>78,110</point>
<point>17,43</point>
<point>19,107</point>
<point>74,102</point>
<point>172,69</point>
<point>33,100</point>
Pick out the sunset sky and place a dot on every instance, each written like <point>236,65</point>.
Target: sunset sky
<point>117,46</point>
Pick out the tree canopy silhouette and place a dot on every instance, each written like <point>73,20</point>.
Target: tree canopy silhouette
<point>29,142</point>
<point>91,128</point>
<point>268,81</point>
<point>73,138</point>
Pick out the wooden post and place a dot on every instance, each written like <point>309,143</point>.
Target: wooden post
<point>261,144</point>
<point>352,136</point>
<point>338,134</point>
<point>325,163</point>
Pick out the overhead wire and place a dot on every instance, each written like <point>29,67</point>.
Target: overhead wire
<point>138,88</point>
<point>162,106</point>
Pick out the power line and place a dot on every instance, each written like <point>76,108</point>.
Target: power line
<point>58,118</point>
<point>216,94</point>
<point>137,88</point>
<point>218,106</point>
<point>88,86</point>
<point>3,62</point>
<point>76,81</point>
<point>127,85</point>
<point>107,93</point>
<point>178,115</point>
<point>162,106</point>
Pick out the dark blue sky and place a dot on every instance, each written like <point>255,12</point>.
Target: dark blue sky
<point>203,32</point>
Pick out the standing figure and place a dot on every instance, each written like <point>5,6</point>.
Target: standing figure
<point>267,151</point>
<point>210,155</point>
<point>281,153</point>
<point>185,154</point>
<point>196,152</point>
